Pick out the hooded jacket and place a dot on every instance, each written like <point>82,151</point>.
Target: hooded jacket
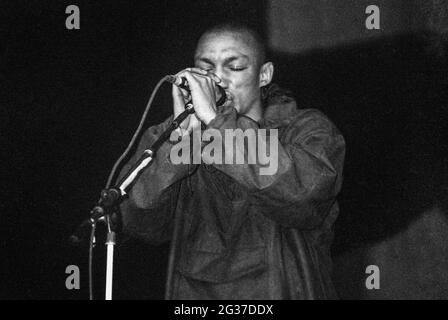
<point>236,233</point>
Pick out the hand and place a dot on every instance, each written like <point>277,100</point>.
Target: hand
<point>203,92</point>
<point>180,98</point>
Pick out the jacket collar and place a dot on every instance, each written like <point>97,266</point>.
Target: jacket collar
<point>280,108</point>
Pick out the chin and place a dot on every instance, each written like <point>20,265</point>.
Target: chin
<point>230,103</point>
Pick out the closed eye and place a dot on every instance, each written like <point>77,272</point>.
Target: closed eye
<point>237,68</point>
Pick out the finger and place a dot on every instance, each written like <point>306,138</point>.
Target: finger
<point>201,86</point>
<point>205,73</point>
<point>194,81</point>
<point>179,107</point>
<point>214,77</point>
<point>193,124</point>
<point>180,95</point>
<point>197,71</point>
<point>185,93</point>
<point>200,74</point>
<point>183,127</point>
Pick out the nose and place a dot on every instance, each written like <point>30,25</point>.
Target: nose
<point>224,83</point>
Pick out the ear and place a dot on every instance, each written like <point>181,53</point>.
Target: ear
<point>266,74</point>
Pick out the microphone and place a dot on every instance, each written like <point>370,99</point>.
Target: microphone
<point>178,81</point>
<point>182,82</point>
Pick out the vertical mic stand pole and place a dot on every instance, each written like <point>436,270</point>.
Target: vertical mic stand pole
<point>110,243</point>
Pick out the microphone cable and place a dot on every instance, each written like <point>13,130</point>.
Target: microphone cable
<point>91,245</point>
<point>137,132</point>
<point>112,174</point>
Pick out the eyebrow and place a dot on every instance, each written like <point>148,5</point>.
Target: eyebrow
<point>227,60</point>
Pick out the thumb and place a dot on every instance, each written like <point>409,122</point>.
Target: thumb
<point>193,124</point>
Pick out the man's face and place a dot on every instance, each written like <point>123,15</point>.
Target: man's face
<point>232,57</point>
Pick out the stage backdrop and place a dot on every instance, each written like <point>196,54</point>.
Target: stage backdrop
<point>384,89</point>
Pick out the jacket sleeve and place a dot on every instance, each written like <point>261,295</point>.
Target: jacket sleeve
<point>306,167</point>
<point>147,211</point>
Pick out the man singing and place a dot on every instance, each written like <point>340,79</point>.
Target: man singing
<point>236,232</point>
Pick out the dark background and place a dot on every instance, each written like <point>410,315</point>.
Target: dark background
<point>71,100</point>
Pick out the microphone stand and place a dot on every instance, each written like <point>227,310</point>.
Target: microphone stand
<point>112,197</point>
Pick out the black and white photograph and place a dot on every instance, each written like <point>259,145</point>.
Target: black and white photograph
<point>244,152</point>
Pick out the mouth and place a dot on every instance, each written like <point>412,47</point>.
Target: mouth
<point>229,101</point>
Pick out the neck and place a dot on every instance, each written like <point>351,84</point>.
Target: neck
<point>256,112</point>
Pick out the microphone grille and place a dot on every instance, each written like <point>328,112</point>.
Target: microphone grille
<point>171,79</point>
